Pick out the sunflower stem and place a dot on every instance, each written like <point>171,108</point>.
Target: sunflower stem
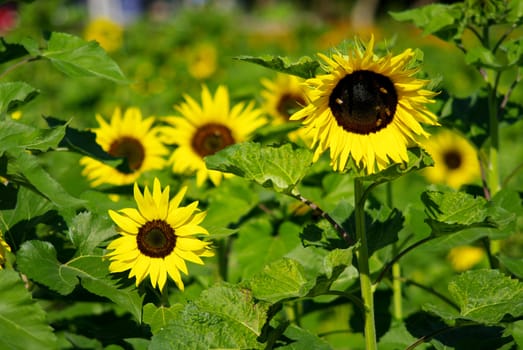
<point>397,307</point>
<point>363,266</point>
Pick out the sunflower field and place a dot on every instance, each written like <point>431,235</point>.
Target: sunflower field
<point>261,174</point>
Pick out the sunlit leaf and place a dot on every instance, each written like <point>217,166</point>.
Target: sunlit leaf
<point>305,67</point>
<point>88,230</point>
<point>277,167</point>
<point>15,94</point>
<point>23,324</point>
<point>16,135</point>
<point>434,18</point>
<point>484,296</point>
<point>225,316</point>
<point>302,339</point>
<point>157,317</point>
<point>37,260</point>
<point>418,159</point>
<point>29,167</point>
<point>449,212</point>
<point>78,58</point>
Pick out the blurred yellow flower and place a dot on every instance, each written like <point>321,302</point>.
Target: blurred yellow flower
<point>205,129</point>
<point>465,257</point>
<point>283,96</point>
<point>16,115</point>
<point>107,33</point>
<point>130,137</point>
<point>455,159</point>
<point>202,61</point>
<point>4,248</point>
<point>366,108</point>
<point>158,237</point>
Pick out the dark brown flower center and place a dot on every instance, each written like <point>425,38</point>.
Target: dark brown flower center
<point>211,138</point>
<point>156,239</point>
<point>129,148</point>
<point>289,103</point>
<point>452,159</point>
<point>363,102</point>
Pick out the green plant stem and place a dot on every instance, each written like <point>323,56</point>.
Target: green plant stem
<point>397,307</point>
<point>363,266</point>
<point>493,166</point>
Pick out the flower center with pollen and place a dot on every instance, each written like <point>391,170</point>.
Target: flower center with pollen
<point>156,239</point>
<point>129,148</point>
<point>363,102</point>
<point>452,159</point>
<point>211,138</point>
<point>289,103</point>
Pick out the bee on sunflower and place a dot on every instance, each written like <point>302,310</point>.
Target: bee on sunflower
<point>366,108</point>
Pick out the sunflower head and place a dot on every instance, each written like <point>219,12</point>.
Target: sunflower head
<point>128,136</point>
<point>158,237</point>
<point>204,129</point>
<point>366,108</point>
<point>202,61</point>
<point>106,32</point>
<point>455,159</point>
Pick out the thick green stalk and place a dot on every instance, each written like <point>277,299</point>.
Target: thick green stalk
<point>493,166</point>
<point>397,307</point>
<point>363,267</point>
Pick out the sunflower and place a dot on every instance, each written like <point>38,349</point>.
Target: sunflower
<point>4,248</point>
<point>130,137</point>
<point>202,61</point>
<point>366,108</point>
<point>282,97</point>
<point>455,159</point>
<point>203,130</point>
<point>157,238</point>
<point>463,258</point>
<point>106,32</point>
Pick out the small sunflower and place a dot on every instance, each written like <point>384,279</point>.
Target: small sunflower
<point>157,238</point>
<point>4,248</point>
<point>203,130</point>
<point>465,257</point>
<point>202,61</point>
<point>282,97</point>
<point>106,32</point>
<point>131,137</point>
<point>366,108</point>
<point>455,159</point>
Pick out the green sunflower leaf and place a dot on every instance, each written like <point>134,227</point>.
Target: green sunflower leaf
<point>78,58</point>
<point>88,230</point>
<point>23,323</point>
<point>302,339</point>
<point>15,94</point>
<point>11,51</point>
<point>438,19</point>
<point>305,67</point>
<point>30,172</point>
<point>20,136</point>
<point>38,261</point>
<point>449,212</point>
<point>224,316</point>
<point>306,272</point>
<point>484,296</point>
<point>418,159</point>
<point>159,317</point>
<point>278,167</point>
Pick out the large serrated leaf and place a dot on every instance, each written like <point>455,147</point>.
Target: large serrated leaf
<point>225,317</point>
<point>38,261</point>
<point>484,296</point>
<point>418,159</point>
<point>432,18</point>
<point>15,94</point>
<point>27,167</point>
<point>157,317</point>
<point>22,321</point>
<point>87,231</point>
<point>305,67</point>
<point>449,212</point>
<point>279,167</point>
<point>78,58</point>
<point>16,135</point>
